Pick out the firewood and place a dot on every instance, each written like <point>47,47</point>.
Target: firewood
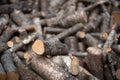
<point>81,46</point>
<point>109,41</point>
<point>118,74</point>
<point>107,73</point>
<point>69,31</point>
<point>50,47</point>
<point>24,71</point>
<point>96,67</point>
<point>72,43</point>
<point>9,66</point>
<point>88,39</point>
<point>3,21</point>
<point>49,70</point>
<point>19,18</point>
<point>3,75</point>
<point>53,30</point>
<point>20,54</point>
<point>116,48</point>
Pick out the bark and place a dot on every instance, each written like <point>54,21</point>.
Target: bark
<point>88,39</point>
<point>47,69</point>
<point>107,73</point>
<point>24,72</point>
<point>81,46</point>
<point>53,30</point>
<point>49,47</point>
<point>9,66</point>
<point>72,43</point>
<point>19,18</point>
<point>69,31</point>
<point>95,62</point>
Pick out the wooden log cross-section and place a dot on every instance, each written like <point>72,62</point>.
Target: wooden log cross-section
<point>49,47</point>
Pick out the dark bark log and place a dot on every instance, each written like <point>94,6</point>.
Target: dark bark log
<point>116,48</point>
<point>72,43</point>
<point>95,62</point>
<point>47,69</point>
<point>23,6</point>
<point>3,75</point>
<point>69,31</point>
<point>53,30</point>
<point>107,73</point>
<point>49,47</point>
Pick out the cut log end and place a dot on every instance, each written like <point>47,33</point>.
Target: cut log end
<point>10,44</point>
<point>104,35</point>
<point>38,47</point>
<point>26,56</point>
<point>81,34</point>
<point>12,76</point>
<point>108,50</point>
<point>118,74</point>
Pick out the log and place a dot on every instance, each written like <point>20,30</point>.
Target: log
<point>3,75</point>
<point>19,18</point>
<point>107,73</point>
<point>49,47</point>
<point>72,43</point>
<point>47,69</point>
<point>69,31</point>
<point>3,21</point>
<point>53,30</point>
<point>88,39</point>
<point>9,66</point>
<point>24,72</point>
<point>81,46</point>
<point>95,62</point>
<point>109,41</point>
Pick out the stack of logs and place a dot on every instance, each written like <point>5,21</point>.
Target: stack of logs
<point>59,40</point>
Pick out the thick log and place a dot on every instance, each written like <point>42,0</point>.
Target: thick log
<point>95,62</point>
<point>3,75</point>
<point>49,47</point>
<point>72,43</point>
<point>47,69</point>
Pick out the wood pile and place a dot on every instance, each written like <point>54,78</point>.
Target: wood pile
<point>60,40</point>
